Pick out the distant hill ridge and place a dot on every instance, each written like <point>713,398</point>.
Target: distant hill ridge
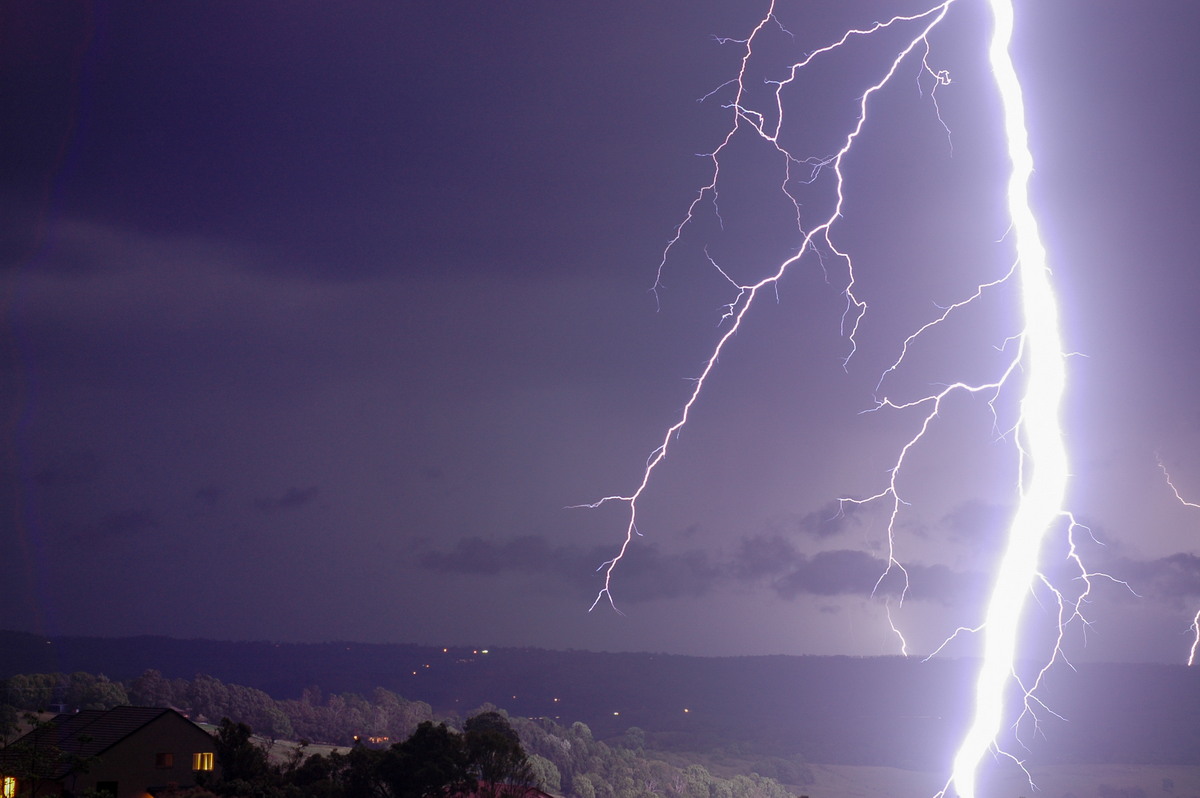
<point>842,710</point>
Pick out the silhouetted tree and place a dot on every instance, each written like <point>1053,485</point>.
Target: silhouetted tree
<point>86,691</point>
<point>545,773</point>
<point>358,773</point>
<point>314,776</point>
<point>432,761</point>
<point>208,696</point>
<point>240,759</point>
<point>34,691</point>
<point>151,689</point>
<point>8,723</point>
<point>495,756</point>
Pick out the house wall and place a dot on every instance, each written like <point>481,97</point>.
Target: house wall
<point>131,762</point>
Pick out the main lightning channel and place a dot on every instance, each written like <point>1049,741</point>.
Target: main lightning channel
<point>1040,436</point>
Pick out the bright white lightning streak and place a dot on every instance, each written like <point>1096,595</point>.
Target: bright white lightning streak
<point>1042,475</point>
<point>1191,660</point>
<point>1040,434</point>
<point>736,310</point>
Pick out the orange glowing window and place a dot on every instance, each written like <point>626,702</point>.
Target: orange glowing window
<point>202,761</point>
<point>164,760</point>
<point>8,787</point>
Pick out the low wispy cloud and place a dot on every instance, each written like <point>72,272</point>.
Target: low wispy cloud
<point>975,520</point>
<point>791,573</point>
<point>779,563</point>
<point>68,471</point>
<point>210,495</point>
<point>832,519</point>
<point>1174,577</point>
<point>124,523</point>
<point>478,556</point>
<point>112,527</point>
<point>646,573</point>
<point>291,499</point>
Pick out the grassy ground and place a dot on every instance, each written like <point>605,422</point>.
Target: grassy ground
<point>282,750</point>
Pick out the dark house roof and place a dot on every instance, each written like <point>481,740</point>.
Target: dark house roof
<point>84,734</point>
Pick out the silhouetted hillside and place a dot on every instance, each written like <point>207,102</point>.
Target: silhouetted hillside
<point>845,710</point>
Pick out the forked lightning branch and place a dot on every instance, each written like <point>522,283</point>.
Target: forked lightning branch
<point>1036,369</point>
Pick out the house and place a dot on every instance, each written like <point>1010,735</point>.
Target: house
<point>127,752</point>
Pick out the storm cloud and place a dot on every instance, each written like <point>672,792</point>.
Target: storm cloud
<point>649,572</point>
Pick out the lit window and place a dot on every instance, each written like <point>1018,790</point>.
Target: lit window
<point>8,788</point>
<point>202,761</point>
<point>164,760</point>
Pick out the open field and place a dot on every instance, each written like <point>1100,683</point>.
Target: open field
<point>1060,781</point>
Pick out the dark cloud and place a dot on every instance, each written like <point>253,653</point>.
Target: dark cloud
<point>68,471</point>
<point>125,523</point>
<point>945,585</point>
<point>791,573</point>
<point>832,519</point>
<point>646,572</point>
<point>291,499</point>
<point>1176,576</point>
<point>853,572</point>
<point>975,520</point>
<point>114,526</point>
<point>777,562</point>
<point>477,556</point>
<point>831,573</point>
<point>210,495</point>
<point>764,556</point>
<point>653,574</point>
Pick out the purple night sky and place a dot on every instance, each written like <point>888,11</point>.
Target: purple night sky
<point>317,317</point>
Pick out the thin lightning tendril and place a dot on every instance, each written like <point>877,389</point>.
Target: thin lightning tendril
<point>736,310</point>
<point>1195,628</point>
<point>1037,358</point>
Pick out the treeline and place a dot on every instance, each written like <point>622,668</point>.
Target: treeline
<point>564,759</point>
<point>838,710</point>
<point>572,762</point>
<point>485,760</point>
<point>338,719</point>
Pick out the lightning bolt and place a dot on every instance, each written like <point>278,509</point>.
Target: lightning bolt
<point>1037,361</point>
<point>1191,660</point>
<point>1039,431</point>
